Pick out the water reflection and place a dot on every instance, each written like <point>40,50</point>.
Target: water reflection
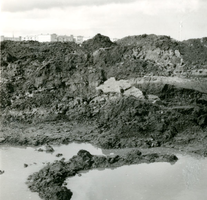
<point>185,180</point>
<point>12,182</point>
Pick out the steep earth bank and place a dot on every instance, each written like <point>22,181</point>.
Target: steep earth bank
<point>142,91</point>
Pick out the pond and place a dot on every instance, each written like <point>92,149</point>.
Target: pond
<point>12,182</point>
<point>185,180</point>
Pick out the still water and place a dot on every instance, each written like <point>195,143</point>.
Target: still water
<point>12,160</point>
<point>185,180</point>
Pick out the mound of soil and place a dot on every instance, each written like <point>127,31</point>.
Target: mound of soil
<point>48,82</point>
<point>97,42</point>
<point>51,93</point>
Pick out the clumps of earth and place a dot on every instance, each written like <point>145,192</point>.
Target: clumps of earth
<point>49,181</point>
<point>144,91</point>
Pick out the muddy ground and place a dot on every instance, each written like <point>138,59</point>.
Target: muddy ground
<point>57,93</point>
<point>63,132</point>
<point>49,182</point>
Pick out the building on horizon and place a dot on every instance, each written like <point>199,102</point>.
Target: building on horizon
<point>41,38</point>
<point>48,38</point>
<point>79,39</point>
<point>3,38</point>
<point>65,38</point>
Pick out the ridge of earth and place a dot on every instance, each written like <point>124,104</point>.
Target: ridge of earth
<point>140,92</point>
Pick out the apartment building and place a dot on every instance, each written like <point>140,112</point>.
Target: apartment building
<point>65,38</point>
<point>48,38</point>
<point>41,38</point>
<point>79,39</point>
<point>11,38</point>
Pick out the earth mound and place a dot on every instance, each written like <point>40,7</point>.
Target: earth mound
<point>97,42</point>
<point>158,96</point>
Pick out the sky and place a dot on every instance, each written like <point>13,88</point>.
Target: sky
<point>179,19</point>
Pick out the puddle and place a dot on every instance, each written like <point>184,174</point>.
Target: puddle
<point>185,180</point>
<point>12,182</point>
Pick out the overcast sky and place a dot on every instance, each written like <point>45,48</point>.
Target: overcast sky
<point>114,18</point>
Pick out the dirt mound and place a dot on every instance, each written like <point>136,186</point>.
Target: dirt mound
<point>49,81</point>
<point>194,48</point>
<point>97,42</point>
<point>149,41</point>
<point>188,50</point>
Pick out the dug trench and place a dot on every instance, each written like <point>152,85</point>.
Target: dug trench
<point>141,92</point>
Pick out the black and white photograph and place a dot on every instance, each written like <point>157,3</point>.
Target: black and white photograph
<point>103,100</point>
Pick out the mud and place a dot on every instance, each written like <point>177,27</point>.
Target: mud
<point>49,182</point>
<point>51,94</point>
